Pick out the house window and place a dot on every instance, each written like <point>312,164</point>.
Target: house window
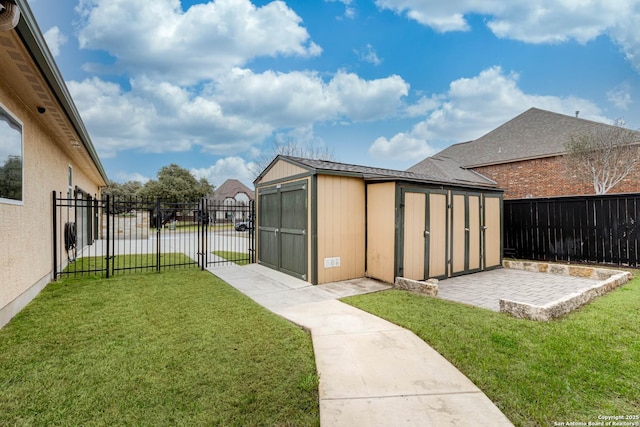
<point>11,164</point>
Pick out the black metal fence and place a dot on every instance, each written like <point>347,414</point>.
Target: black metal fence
<point>116,235</point>
<point>598,229</point>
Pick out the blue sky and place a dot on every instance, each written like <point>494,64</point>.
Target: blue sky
<point>211,85</point>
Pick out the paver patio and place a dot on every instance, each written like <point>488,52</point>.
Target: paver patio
<point>485,289</point>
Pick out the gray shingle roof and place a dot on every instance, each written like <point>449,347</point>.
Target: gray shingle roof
<point>533,134</point>
<point>441,171</point>
<point>230,188</point>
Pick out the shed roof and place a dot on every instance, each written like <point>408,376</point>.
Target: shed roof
<point>230,188</point>
<point>533,134</point>
<point>440,171</point>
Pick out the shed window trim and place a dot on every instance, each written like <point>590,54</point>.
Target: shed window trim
<point>11,157</point>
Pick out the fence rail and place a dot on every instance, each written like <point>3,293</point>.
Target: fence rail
<point>115,235</point>
<point>599,229</point>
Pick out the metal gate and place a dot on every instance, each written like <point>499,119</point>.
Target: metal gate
<point>116,235</point>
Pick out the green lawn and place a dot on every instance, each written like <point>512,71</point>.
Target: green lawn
<point>173,348</point>
<point>570,370</point>
<point>239,258</point>
<point>136,263</point>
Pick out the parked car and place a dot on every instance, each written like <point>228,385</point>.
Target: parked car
<point>244,225</point>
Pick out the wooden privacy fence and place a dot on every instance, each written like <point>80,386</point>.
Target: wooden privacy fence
<point>599,229</point>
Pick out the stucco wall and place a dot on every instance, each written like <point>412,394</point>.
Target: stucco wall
<point>26,230</point>
<point>547,177</point>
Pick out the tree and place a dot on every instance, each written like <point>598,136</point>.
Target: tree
<point>127,190</point>
<point>294,149</point>
<point>604,156</point>
<point>11,178</point>
<point>176,184</point>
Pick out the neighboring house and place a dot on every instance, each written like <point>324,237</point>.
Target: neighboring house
<point>230,200</point>
<point>44,147</point>
<point>325,221</point>
<point>524,156</point>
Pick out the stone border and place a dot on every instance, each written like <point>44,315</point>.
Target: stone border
<point>427,287</point>
<point>612,279</point>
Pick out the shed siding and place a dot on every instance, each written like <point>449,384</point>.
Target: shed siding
<point>281,170</point>
<point>381,231</point>
<point>414,238</point>
<point>493,232</point>
<point>438,235</point>
<point>458,235</point>
<point>341,227</point>
<point>475,262</point>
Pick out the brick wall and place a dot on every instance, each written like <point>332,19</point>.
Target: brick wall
<point>547,177</point>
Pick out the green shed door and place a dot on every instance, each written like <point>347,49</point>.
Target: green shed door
<point>268,226</point>
<point>282,228</point>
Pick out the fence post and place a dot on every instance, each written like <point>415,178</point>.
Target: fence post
<point>159,220</point>
<point>55,237</point>
<point>203,246</point>
<point>108,242</point>
<point>252,231</point>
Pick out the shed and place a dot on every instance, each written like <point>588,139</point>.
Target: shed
<point>324,221</point>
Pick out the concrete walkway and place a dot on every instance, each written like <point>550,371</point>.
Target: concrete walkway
<point>372,372</point>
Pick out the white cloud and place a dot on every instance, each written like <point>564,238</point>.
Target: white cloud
<point>422,107</point>
<point>227,168</point>
<point>473,107</point>
<point>55,39</point>
<point>192,45</point>
<point>534,21</point>
<point>297,99</point>
<point>135,176</point>
<point>349,12</point>
<point>620,96</point>
<point>159,117</point>
<point>228,116</point>
<point>402,146</point>
<point>369,54</point>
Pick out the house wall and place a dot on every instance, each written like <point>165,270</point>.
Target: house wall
<point>341,228</point>
<point>381,218</point>
<point>547,177</point>
<point>26,229</point>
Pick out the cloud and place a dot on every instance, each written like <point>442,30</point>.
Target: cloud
<point>620,96</point>
<point>297,99</point>
<point>472,107</point>
<point>349,12</point>
<point>402,146</point>
<point>369,54</point>
<point>55,39</point>
<point>230,115</point>
<point>192,45</point>
<point>160,117</point>
<point>534,21</point>
<point>135,176</point>
<point>225,168</point>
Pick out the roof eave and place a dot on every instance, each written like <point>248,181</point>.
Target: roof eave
<point>33,39</point>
